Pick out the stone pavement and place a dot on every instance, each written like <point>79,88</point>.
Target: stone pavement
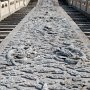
<point>45,53</point>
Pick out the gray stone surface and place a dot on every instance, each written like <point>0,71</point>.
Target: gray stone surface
<point>45,54</point>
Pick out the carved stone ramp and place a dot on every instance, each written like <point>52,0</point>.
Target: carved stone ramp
<point>46,51</point>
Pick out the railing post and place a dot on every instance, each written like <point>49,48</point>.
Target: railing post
<point>86,5</point>
<point>23,2</point>
<point>19,3</point>
<point>0,10</point>
<point>72,2</point>
<point>15,4</point>
<point>76,3</point>
<point>9,6</point>
<point>80,4</point>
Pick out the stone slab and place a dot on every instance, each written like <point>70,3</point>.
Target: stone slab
<point>46,51</point>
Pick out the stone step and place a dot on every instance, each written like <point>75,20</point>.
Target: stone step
<point>86,30</point>
<point>7,26</point>
<point>3,36</point>
<point>6,29</point>
<point>1,40</point>
<point>87,33</point>
<point>4,32</point>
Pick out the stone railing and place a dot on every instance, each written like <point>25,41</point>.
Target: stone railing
<point>8,7</point>
<point>82,5</point>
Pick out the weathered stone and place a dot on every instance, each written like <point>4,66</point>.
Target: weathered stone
<point>46,53</point>
<point>55,76</point>
<point>71,61</point>
<point>30,77</point>
<point>45,87</point>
